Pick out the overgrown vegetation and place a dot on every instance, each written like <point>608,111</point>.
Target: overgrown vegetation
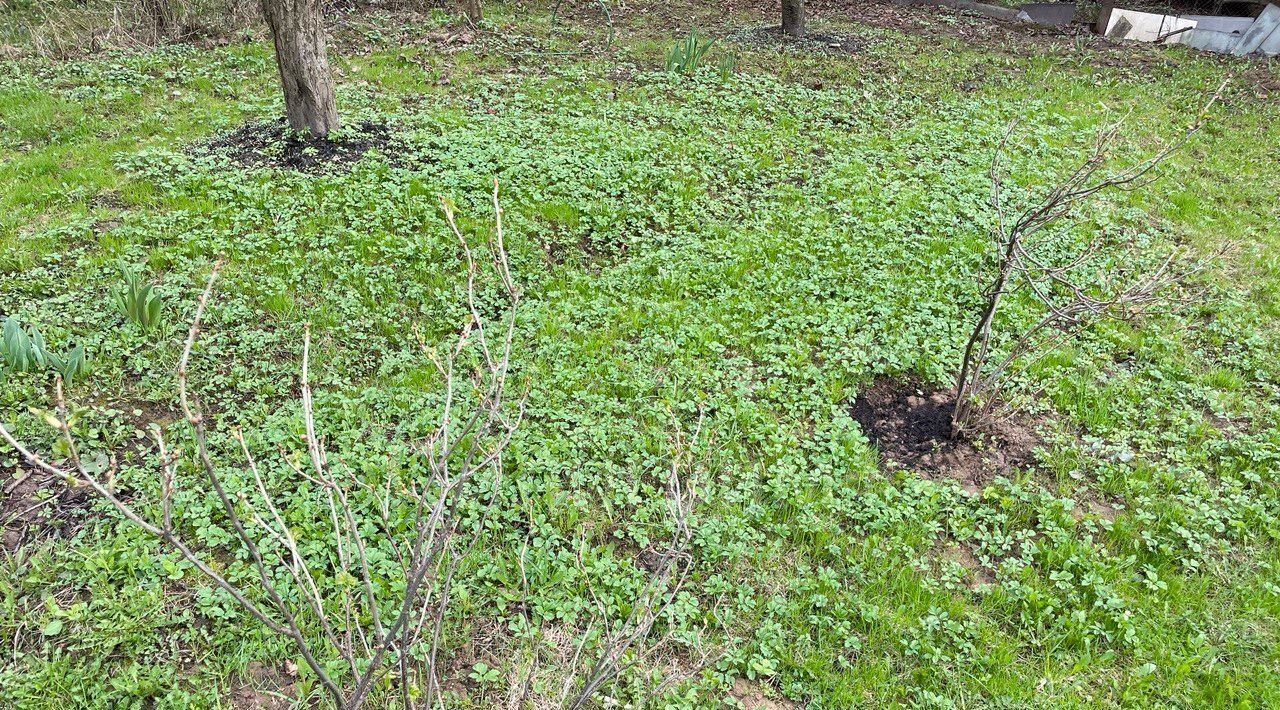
<point>714,266</point>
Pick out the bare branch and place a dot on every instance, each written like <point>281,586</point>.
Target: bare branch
<point>459,446</point>
<point>1071,303</point>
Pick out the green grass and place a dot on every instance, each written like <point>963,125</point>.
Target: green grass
<point>760,247</point>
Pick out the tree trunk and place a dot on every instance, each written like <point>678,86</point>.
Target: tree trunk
<point>471,9</point>
<point>793,18</point>
<point>298,33</point>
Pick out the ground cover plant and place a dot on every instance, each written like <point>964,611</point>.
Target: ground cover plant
<point>730,277</point>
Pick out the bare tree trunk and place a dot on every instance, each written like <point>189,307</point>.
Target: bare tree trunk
<point>297,30</point>
<point>473,12</point>
<point>793,18</point>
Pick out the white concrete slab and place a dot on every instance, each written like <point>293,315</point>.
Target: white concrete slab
<point>1219,23</point>
<point>1271,45</point>
<point>1051,14</point>
<point>1209,40</point>
<point>1145,26</point>
<point>1258,33</point>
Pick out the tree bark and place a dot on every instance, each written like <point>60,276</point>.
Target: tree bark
<point>297,30</point>
<point>473,12</point>
<point>793,17</point>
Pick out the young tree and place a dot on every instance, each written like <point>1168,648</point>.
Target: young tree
<point>793,18</point>
<point>297,29</point>
<point>1077,285</point>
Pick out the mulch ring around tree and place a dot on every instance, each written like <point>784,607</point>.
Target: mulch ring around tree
<point>911,425</point>
<point>771,37</point>
<point>35,505</point>
<point>272,144</point>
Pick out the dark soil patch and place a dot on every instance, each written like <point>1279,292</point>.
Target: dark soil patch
<point>35,506</point>
<point>911,425</point>
<point>272,144</point>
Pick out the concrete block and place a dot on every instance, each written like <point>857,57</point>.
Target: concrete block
<point>1258,33</point>
<point>1145,26</point>
<point>1052,14</point>
<point>1209,40</point>
<point>1218,23</point>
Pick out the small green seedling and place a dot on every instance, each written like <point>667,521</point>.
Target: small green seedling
<point>137,300</point>
<point>686,55</point>
<point>482,674</point>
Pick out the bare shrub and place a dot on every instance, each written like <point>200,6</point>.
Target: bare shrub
<point>61,30</point>
<point>1078,285</point>
<point>631,642</point>
<point>368,632</point>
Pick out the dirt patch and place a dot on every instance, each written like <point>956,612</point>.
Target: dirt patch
<point>35,506</point>
<point>752,697</point>
<point>271,144</point>
<point>773,38</point>
<point>911,425</point>
<point>976,574</point>
<point>1098,508</point>
<point>266,688</point>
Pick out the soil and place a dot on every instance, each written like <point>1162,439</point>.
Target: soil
<point>266,688</point>
<point>1097,507</point>
<point>977,575</point>
<point>752,697</point>
<point>911,425</point>
<point>271,144</point>
<point>35,506</point>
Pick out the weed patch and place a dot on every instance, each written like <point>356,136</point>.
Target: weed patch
<point>758,240</point>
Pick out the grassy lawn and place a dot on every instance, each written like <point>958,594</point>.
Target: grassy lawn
<point>758,243</point>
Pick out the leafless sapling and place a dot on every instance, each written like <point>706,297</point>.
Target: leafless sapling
<point>342,604</point>
<point>632,641</point>
<point>1076,288</point>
